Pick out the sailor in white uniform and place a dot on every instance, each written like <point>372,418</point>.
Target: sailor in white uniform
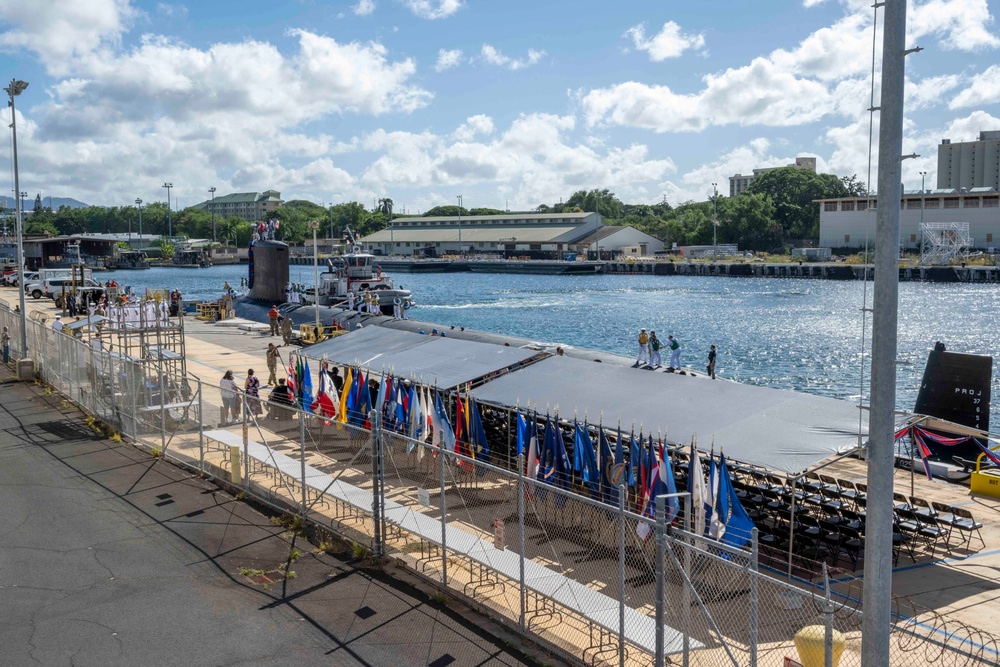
<point>350,300</point>
<point>406,309</point>
<point>397,308</point>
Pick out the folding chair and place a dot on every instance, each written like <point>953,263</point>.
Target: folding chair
<point>968,525</point>
<point>923,509</point>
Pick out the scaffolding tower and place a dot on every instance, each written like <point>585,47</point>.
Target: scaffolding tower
<point>944,243</point>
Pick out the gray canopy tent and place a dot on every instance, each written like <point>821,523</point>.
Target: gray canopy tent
<point>784,431</point>
<point>443,362</point>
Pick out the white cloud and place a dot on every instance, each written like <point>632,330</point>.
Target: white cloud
<point>433,9</point>
<point>757,94</point>
<point>448,58</point>
<point>961,25</point>
<point>670,42</point>
<point>983,89</point>
<point>533,161</point>
<point>364,7</point>
<point>474,126</point>
<point>928,92</point>
<point>495,56</point>
<point>171,11</point>
<point>59,30</point>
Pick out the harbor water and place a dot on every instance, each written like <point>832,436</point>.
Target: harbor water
<point>783,333</point>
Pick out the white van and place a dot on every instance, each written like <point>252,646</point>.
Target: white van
<point>55,286</point>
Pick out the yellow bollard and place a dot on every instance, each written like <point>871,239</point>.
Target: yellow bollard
<point>809,643</point>
<point>234,463</point>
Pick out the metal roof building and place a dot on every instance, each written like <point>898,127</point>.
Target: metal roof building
<point>509,233</point>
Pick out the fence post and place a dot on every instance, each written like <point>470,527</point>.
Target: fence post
<point>661,530</point>
<point>201,429</point>
<point>375,418</point>
<point>246,453</point>
<point>163,402</point>
<point>686,596</point>
<point>754,595</point>
<point>302,451</point>
<point>827,621</point>
<point>444,520</point>
<point>135,393</point>
<point>621,575</point>
<point>520,528</point>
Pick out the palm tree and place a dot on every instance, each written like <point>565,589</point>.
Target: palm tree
<point>385,207</point>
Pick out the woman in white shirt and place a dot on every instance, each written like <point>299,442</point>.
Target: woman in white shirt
<point>229,391</point>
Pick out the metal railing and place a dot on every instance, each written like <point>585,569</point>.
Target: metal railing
<point>594,581</point>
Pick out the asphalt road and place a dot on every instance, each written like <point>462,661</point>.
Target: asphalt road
<point>110,557</point>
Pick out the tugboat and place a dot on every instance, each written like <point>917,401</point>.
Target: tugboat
<point>188,258</point>
<point>131,259</point>
<point>355,272</point>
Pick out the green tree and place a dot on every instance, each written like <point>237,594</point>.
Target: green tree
<point>793,193</point>
<point>446,211</point>
<point>603,201</point>
<point>38,203</point>
<point>748,220</point>
<point>855,188</point>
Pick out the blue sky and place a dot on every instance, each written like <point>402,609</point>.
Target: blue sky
<point>507,103</point>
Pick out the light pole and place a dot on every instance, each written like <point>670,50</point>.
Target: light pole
<point>138,204</point>
<point>212,190</point>
<point>715,223</point>
<point>170,224</point>
<point>459,224</point>
<point>314,225</point>
<point>13,90</point>
<point>23,195</point>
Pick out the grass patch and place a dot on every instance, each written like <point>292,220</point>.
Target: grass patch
<point>360,552</point>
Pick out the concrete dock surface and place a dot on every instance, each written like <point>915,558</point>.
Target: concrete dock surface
<point>113,557</point>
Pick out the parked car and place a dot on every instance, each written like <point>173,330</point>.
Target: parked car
<point>14,279</point>
<point>54,287</point>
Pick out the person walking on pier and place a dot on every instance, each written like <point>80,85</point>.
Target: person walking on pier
<point>5,344</point>
<point>643,349</point>
<point>654,350</point>
<point>272,318</point>
<point>286,330</point>
<point>273,356</point>
<point>229,392</point>
<point>675,353</point>
<point>711,362</point>
<point>252,389</point>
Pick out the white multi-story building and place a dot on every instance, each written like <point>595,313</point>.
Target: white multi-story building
<point>739,182</point>
<point>849,222</point>
<point>970,164</point>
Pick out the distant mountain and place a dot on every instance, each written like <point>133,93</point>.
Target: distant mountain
<point>56,202</point>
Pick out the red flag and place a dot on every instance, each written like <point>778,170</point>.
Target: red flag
<point>292,380</point>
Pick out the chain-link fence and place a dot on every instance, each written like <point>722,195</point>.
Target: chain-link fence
<point>585,576</point>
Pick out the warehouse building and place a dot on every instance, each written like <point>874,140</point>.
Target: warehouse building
<point>849,222</point>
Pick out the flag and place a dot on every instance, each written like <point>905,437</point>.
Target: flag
<point>523,434</point>
<point>620,454</point>
<point>417,421</point>
<point>661,483</point>
<point>650,472</point>
<point>609,490</point>
<point>292,378</point>
<point>447,433</point>
<point>383,387</point>
<point>634,457</point>
<point>345,394</point>
<point>364,404</point>
<point>402,402</point>
<point>715,527</point>
<point>461,432</point>
<point>326,402</point>
<point>531,467</point>
<point>696,487</point>
<point>480,448</point>
<point>583,452</point>
<point>555,462</point>
<point>307,387</point>
<point>736,523</point>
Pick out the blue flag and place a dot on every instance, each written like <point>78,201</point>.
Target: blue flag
<point>609,490</point>
<point>634,456</point>
<point>583,450</point>
<point>307,386</point>
<point>480,448</point>
<point>732,515</point>
<point>353,397</point>
<point>523,435</point>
